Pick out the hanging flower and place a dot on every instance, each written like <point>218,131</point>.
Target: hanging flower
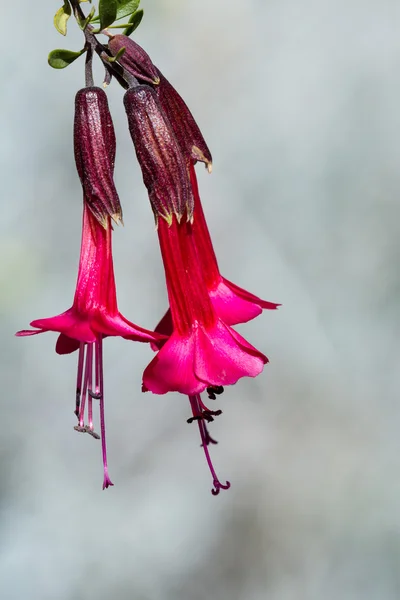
<point>93,316</point>
<point>202,350</point>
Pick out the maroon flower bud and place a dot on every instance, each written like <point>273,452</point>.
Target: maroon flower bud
<point>138,63</point>
<point>135,60</point>
<point>94,147</point>
<point>185,127</point>
<point>164,169</point>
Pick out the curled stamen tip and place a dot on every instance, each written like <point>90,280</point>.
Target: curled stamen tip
<point>94,395</point>
<point>218,486</point>
<point>107,482</point>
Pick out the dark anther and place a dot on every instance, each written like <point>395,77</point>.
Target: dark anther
<point>92,433</point>
<point>77,401</point>
<point>208,413</point>
<point>219,486</point>
<point>214,390</point>
<point>94,395</point>
<point>200,417</point>
<point>80,429</point>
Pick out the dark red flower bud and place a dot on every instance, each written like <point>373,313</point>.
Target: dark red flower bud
<point>94,147</point>
<point>138,63</point>
<point>164,169</point>
<point>185,127</point>
<point>135,60</point>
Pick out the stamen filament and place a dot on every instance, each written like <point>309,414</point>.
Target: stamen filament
<point>99,371</point>
<point>84,390</point>
<point>90,381</point>
<point>79,378</point>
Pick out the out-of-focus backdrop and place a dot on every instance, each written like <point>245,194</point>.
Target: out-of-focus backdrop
<point>299,102</point>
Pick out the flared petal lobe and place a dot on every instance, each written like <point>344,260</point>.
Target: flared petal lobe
<point>216,356</point>
<point>235,305</point>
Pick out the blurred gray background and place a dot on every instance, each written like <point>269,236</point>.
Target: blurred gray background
<point>299,102</point>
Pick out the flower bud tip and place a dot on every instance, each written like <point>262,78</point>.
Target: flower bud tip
<point>117,218</point>
<point>103,220</point>
<point>167,218</point>
<point>199,155</point>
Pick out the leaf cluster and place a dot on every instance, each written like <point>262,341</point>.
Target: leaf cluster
<point>109,15</point>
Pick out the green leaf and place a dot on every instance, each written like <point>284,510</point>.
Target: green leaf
<point>83,23</point>
<point>59,59</point>
<point>126,7</point>
<point>134,22</point>
<point>115,58</point>
<point>107,12</point>
<point>61,17</point>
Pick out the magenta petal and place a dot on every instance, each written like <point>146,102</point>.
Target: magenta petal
<point>171,370</point>
<point>25,332</point>
<point>221,360</point>
<point>218,356</point>
<point>235,305</point>
<point>69,324</point>
<point>232,309</point>
<point>164,327</point>
<point>246,346</point>
<point>120,326</point>
<point>66,345</point>
<point>245,295</point>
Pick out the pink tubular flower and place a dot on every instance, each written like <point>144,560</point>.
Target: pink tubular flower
<point>232,303</point>
<point>93,315</point>
<point>202,351</point>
